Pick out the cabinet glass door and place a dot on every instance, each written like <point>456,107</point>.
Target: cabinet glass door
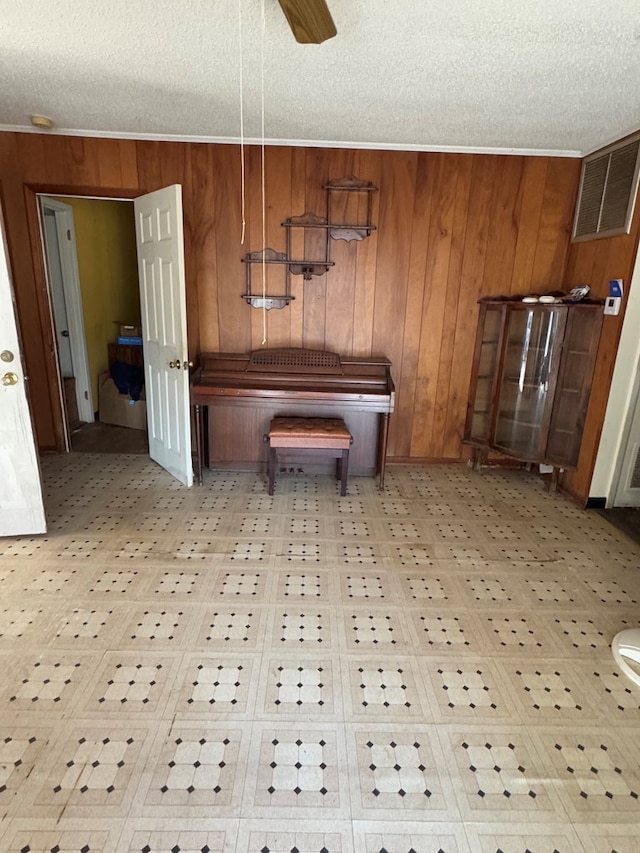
<point>479,423</point>
<point>530,354</point>
<point>574,385</point>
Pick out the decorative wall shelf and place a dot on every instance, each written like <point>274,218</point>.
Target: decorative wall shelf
<point>329,226</point>
<point>308,268</point>
<point>343,230</point>
<point>263,300</point>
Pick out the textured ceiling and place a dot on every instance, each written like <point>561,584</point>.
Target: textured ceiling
<point>534,75</point>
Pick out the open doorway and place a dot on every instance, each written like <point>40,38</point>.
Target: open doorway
<point>89,250</point>
<point>159,289</point>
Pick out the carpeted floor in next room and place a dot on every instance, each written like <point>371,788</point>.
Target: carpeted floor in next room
<point>427,669</point>
<point>626,519</point>
<point>97,437</point>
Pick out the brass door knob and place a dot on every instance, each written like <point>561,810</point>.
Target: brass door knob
<point>175,364</point>
<point>10,379</point>
<point>187,364</point>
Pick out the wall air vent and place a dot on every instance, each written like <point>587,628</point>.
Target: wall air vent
<point>608,188</point>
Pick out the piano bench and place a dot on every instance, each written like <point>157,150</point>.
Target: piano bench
<point>330,434</point>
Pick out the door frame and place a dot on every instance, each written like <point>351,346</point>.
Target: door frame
<point>619,473</point>
<point>623,389</point>
<point>53,379</point>
<point>73,301</point>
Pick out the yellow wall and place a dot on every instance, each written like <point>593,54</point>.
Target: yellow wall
<point>106,245</point>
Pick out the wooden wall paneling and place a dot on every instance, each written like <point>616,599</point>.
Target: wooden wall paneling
<point>128,153</point>
<point>56,165</point>
<point>315,295</point>
<point>149,158</point>
<point>225,213</point>
<point>81,160</point>
<point>278,195</point>
<point>339,310</point>
<point>60,160</point>
<point>340,278</point>
<point>533,194</point>
<point>173,163</point>
<point>483,179</point>
<point>623,251</point>
<point>190,257</point>
<point>255,320</point>
<point>443,428</point>
<point>406,370</point>
<point>579,268</point>
<point>109,166</point>
<point>367,166</point>
<point>610,262</point>
<point>601,263</point>
<point>206,316</point>
<point>245,317</point>
<point>36,344</point>
<point>503,230</point>
<point>340,319</point>
<point>552,242</point>
<point>440,236</point>
<point>38,163</point>
<point>397,187</point>
<point>298,197</point>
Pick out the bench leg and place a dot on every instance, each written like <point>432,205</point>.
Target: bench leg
<point>273,462</point>
<point>343,469</point>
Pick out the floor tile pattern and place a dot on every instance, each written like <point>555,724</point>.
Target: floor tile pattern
<point>423,670</point>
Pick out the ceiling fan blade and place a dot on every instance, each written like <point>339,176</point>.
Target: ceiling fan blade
<point>310,20</point>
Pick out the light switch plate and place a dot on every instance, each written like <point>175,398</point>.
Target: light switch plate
<point>612,305</point>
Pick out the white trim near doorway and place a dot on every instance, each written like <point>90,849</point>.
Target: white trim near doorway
<point>626,491</point>
<point>73,298</point>
<point>622,398</point>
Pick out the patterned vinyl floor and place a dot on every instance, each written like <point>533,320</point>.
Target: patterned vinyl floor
<point>214,669</point>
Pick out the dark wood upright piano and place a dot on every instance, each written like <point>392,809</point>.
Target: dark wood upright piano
<point>234,397</point>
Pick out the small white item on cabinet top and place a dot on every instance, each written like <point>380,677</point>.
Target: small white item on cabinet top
<point>530,299</point>
<point>578,293</point>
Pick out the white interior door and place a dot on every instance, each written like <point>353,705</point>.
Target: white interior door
<point>56,287</point>
<point>21,508</point>
<point>64,287</point>
<point>628,490</point>
<point>160,241</point>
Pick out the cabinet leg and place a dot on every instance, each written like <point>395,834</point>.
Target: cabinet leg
<point>479,458</point>
<point>383,436</point>
<point>553,482</point>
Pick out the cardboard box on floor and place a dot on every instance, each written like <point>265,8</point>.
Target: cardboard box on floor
<point>120,409</point>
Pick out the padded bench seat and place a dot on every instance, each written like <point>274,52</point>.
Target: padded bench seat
<point>330,434</point>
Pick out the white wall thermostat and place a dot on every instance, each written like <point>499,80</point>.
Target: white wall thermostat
<point>614,299</point>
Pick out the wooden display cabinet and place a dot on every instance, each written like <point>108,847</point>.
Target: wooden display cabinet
<point>531,380</point>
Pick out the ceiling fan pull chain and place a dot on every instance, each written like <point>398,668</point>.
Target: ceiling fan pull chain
<point>264,204</point>
<point>242,159</point>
